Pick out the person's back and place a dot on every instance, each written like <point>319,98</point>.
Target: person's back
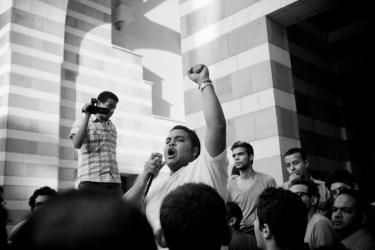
<point>281,220</point>
<point>193,216</point>
<point>86,220</point>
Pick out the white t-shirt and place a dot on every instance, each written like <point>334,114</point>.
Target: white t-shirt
<point>204,169</point>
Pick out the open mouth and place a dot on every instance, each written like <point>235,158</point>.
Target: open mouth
<point>171,153</point>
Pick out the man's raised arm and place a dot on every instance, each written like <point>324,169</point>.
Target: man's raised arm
<point>215,140</point>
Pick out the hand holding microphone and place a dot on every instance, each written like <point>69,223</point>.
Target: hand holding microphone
<point>152,169</point>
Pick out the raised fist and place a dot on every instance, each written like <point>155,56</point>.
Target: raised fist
<point>198,73</point>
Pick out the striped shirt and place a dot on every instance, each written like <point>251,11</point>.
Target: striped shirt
<point>97,155</point>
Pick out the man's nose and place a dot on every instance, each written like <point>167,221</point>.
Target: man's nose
<point>337,214</point>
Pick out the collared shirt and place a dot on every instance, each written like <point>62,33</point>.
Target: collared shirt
<point>97,155</point>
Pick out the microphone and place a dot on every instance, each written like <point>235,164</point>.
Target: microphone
<point>151,177</point>
<point>148,184</point>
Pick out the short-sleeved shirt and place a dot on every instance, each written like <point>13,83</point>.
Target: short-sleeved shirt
<point>247,199</point>
<point>205,169</point>
<point>319,232</point>
<point>97,155</point>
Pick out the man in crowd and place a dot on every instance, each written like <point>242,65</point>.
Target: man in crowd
<point>319,231</point>
<point>193,216</point>
<point>281,220</point>
<point>184,157</point>
<point>297,166</point>
<point>95,138</point>
<point>339,180</point>
<point>348,220</point>
<point>245,188</point>
<point>36,200</point>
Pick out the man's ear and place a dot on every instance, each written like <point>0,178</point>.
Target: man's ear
<point>266,232</point>
<point>251,157</point>
<point>160,238</point>
<point>307,163</point>
<point>195,152</point>
<point>363,217</point>
<point>232,221</point>
<point>314,200</point>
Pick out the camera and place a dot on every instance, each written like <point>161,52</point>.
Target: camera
<point>95,109</point>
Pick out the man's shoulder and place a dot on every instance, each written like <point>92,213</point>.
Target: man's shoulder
<point>361,239</point>
<point>265,176</point>
<point>319,219</point>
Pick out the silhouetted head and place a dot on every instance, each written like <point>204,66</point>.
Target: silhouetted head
<point>79,220</point>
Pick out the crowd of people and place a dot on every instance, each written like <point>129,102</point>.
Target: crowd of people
<point>195,205</point>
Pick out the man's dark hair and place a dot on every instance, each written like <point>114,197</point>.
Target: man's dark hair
<point>47,191</point>
<point>78,220</point>
<point>193,216</point>
<point>312,188</point>
<point>285,214</point>
<point>192,135</point>
<point>233,210</point>
<point>105,95</point>
<point>296,150</point>
<point>340,176</point>
<point>242,144</point>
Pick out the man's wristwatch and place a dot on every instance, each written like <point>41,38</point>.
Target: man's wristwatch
<point>204,84</point>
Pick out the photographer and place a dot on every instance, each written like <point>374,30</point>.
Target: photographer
<point>95,138</point>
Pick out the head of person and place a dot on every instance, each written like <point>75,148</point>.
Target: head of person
<point>109,101</point>
<point>243,155</point>
<point>234,215</point>
<point>339,180</point>
<point>181,147</point>
<point>296,162</point>
<point>77,220</point>
<point>40,196</point>
<point>348,212</point>
<point>193,216</point>
<point>307,191</point>
<point>281,219</point>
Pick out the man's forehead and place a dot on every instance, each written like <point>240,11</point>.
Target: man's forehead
<point>110,101</point>
<point>299,188</point>
<point>344,200</point>
<point>239,149</point>
<point>178,132</point>
<point>294,156</point>
<point>40,198</point>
